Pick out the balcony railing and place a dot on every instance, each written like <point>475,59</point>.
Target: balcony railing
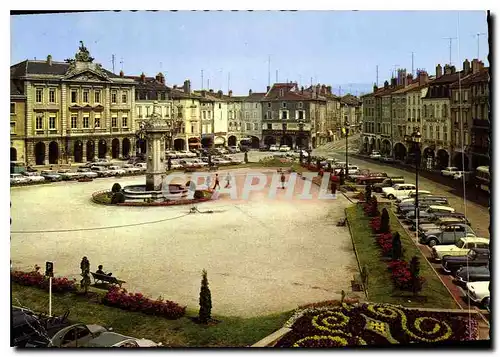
<point>481,123</point>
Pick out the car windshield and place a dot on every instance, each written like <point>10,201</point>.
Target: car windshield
<point>460,244</point>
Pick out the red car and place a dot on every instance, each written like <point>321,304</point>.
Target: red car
<point>372,178</point>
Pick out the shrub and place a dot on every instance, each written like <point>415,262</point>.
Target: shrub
<point>416,282</point>
<point>205,299</point>
<point>118,197</point>
<point>116,188</point>
<point>119,297</point>
<point>198,194</point>
<point>397,250</point>
<point>384,240</point>
<point>384,223</point>
<point>401,275</point>
<point>375,224</point>
<point>368,193</point>
<point>35,279</point>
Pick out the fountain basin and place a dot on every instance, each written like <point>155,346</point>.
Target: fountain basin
<point>139,193</point>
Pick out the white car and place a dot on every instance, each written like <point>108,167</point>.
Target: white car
<point>101,171</point>
<point>449,171</point>
<point>175,164</point>
<point>398,190</point>
<point>171,153</point>
<point>479,292</point>
<point>34,176</point>
<point>131,169</point>
<point>189,154</point>
<point>68,175</point>
<point>142,166</point>
<point>18,178</point>
<point>284,148</point>
<point>117,170</point>
<point>86,172</point>
<point>220,161</point>
<point>274,148</point>
<point>412,194</point>
<point>375,155</point>
<point>102,162</point>
<point>352,169</point>
<point>51,175</point>
<point>199,163</point>
<point>461,247</point>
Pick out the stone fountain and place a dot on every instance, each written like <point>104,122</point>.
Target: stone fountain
<point>154,129</point>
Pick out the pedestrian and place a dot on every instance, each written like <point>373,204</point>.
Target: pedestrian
<point>209,181</point>
<point>283,178</point>
<point>217,183</point>
<point>169,163</point>
<point>228,180</point>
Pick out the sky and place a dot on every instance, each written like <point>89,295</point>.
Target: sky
<point>338,48</point>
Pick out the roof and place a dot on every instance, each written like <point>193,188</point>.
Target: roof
<point>15,89</point>
<point>256,96</point>
<point>482,75</point>
<point>290,92</point>
<point>386,91</point>
<point>350,100</point>
<point>448,78</point>
<point>150,83</point>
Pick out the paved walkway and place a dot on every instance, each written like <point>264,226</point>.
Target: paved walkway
<point>262,255</point>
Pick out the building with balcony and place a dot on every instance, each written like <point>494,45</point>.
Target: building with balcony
<point>74,110</point>
<point>470,116</point>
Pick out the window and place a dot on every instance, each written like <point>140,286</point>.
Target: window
<point>97,96</point>
<point>255,126</point>
<point>219,105</point>
<point>39,95</point>
<point>114,123</point>
<point>256,105</point>
<point>301,114</point>
<point>12,108</point>
<point>113,97</point>
<point>74,122</point>
<point>39,122</point>
<point>52,95</point>
<point>13,127</point>
<point>74,96</point>
<point>247,115</point>
<point>86,122</point>
<point>284,114</point>
<point>438,132</point>
<point>124,97</point>
<point>97,122</point>
<point>255,115</point>
<point>445,111</point>
<point>85,96</point>
<point>418,114</point>
<point>192,128</point>
<point>283,104</point>
<point>52,122</point>
<point>269,115</point>
<point>281,92</point>
<point>300,105</point>
<point>248,126</point>
<point>205,115</point>
<point>269,126</point>
<point>269,104</point>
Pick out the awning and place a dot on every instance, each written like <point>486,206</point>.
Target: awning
<point>194,144</point>
<point>219,140</point>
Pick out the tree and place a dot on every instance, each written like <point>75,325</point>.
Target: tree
<point>116,188</point>
<point>384,223</point>
<point>368,193</point>
<point>397,250</point>
<point>85,267</point>
<point>416,281</point>
<point>374,212</point>
<point>205,299</point>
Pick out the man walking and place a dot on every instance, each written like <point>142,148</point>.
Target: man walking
<point>283,178</point>
<point>217,184</point>
<point>228,180</point>
<point>169,163</point>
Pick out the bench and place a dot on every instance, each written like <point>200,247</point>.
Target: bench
<point>107,279</point>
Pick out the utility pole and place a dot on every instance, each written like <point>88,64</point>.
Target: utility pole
<point>394,72</point>
<point>478,35</point>
<point>450,39</point>
<point>228,81</point>
<point>113,62</point>
<point>276,76</point>
<point>269,71</point>
<point>413,74</point>
<point>377,75</point>
<point>208,83</point>
<point>202,79</point>
<point>121,63</point>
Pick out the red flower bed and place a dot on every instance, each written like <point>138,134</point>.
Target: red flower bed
<point>137,302</point>
<point>375,224</point>
<point>384,240</point>
<point>34,278</point>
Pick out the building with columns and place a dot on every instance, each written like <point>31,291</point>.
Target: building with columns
<point>75,110</point>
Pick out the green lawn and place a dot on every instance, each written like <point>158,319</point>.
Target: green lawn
<point>230,332</point>
<point>380,288</point>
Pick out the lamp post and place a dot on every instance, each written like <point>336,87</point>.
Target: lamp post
<point>416,138</point>
<point>301,129</point>
<point>346,124</point>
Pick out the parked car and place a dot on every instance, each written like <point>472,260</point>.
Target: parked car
<point>430,210</point>
<point>175,164</point>
<point>387,159</point>
<point>388,182</point>
<point>50,175</point>
<point>398,190</point>
<point>264,148</point>
<point>68,175</point>
<point>87,173</point>
<point>141,166</point>
<point>170,153</point>
<point>449,235</point>
<point>438,219</point>
<point>189,154</point>
<point>284,148</point>
<point>460,175</point>
<point>30,169</point>
<point>413,194</point>
<point>471,274</point>
<point>449,171</point>
<point>233,160</point>
<point>130,169</point>
<point>199,163</point>
<point>233,149</point>
<point>113,339</point>
<point>76,335</point>
<point>375,155</point>
<point>475,257</point>
<point>102,171</point>
<point>117,170</point>
<point>461,247</point>
<point>220,161</point>
<point>102,162</point>
<point>479,292</point>
<point>33,176</point>
<point>372,178</point>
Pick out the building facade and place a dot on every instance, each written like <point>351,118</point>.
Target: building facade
<point>17,122</point>
<point>251,128</point>
<point>75,110</point>
<point>188,107</point>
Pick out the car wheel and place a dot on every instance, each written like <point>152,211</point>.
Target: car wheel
<point>432,242</point>
<point>391,197</point>
<point>445,257</point>
<point>486,302</point>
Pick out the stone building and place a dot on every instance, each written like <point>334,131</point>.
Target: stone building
<point>17,122</point>
<point>287,116</point>
<point>368,137</point>
<point>351,109</point>
<point>384,116</point>
<point>251,126</point>
<point>75,110</point>
<point>470,116</point>
<point>188,107</point>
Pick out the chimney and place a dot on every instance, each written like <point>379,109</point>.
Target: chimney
<point>121,73</point>
<point>394,82</point>
<point>249,92</point>
<point>447,69</point>
<point>439,71</point>
<point>230,93</point>
<point>49,60</point>
<point>453,69</point>
<point>409,78</point>
<point>302,90</point>
<point>203,93</point>
<point>329,89</point>
<point>374,88</point>
<point>160,78</point>
<point>268,88</point>
<point>175,86</point>
<point>219,93</point>
<point>466,66</point>
<point>187,86</point>
<point>386,84</point>
<point>423,78</point>
<point>210,90</point>
<point>143,77</point>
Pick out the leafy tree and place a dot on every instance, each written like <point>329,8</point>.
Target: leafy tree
<point>116,188</point>
<point>384,224</point>
<point>85,267</point>
<point>397,250</point>
<point>205,300</point>
<point>416,281</point>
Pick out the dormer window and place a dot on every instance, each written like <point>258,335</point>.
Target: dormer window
<point>283,104</point>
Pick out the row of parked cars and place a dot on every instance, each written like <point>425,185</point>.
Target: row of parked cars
<point>39,331</point>
<point>454,243</point>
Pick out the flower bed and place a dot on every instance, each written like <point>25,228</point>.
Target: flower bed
<point>375,324</point>
<point>119,297</point>
<point>34,278</point>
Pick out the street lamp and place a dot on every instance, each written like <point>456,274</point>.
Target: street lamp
<point>346,125</point>
<point>416,139</point>
<point>301,129</point>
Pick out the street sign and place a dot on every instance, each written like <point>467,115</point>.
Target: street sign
<point>49,269</point>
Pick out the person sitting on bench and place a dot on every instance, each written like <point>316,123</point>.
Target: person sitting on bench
<point>100,271</point>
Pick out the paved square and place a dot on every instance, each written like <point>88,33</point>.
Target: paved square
<point>262,255</point>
